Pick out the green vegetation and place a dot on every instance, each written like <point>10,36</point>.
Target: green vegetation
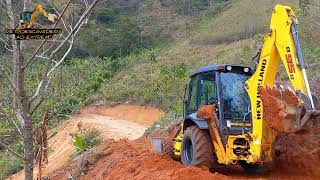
<point>195,8</point>
<point>232,36</point>
<point>144,52</point>
<point>10,164</point>
<point>85,140</point>
<point>112,35</point>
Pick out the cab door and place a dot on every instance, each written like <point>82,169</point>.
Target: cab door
<point>201,90</point>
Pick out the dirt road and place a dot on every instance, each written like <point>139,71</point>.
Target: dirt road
<point>118,122</point>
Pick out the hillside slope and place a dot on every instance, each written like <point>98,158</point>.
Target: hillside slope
<point>232,36</point>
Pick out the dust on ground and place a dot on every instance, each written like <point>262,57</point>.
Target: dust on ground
<point>118,122</point>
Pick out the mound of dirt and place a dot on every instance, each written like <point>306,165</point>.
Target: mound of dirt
<point>298,157</point>
<point>299,153</point>
<point>132,160</point>
<point>280,109</point>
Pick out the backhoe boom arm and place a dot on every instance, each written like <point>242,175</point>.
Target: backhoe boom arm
<point>35,14</point>
<point>281,44</point>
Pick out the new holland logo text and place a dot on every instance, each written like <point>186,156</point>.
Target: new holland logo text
<point>261,77</point>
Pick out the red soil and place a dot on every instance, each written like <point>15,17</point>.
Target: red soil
<point>295,153</point>
<point>279,109</point>
<point>299,153</point>
<point>298,157</point>
<point>132,160</point>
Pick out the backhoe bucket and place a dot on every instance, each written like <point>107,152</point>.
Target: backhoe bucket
<point>283,110</point>
<point>52,17</point>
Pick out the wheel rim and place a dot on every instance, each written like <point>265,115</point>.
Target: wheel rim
<point>188,151</point>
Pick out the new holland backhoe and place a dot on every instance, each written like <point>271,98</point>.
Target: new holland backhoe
<point>247,109</point>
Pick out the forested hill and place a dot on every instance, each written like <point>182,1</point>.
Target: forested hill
<point>119,28</point>
<point>144,50</point>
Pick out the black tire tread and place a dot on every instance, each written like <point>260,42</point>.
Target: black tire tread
<point>168,147</point>
<point>203,152</point>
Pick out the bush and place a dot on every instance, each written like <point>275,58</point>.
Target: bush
<point>86,139</point>
<point>10,164</point>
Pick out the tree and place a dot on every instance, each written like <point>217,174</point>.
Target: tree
<point>27,99</point>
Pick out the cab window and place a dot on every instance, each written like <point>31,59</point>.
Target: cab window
<point>207,88</point>
<point>193,89</point>
<point>202,90</point>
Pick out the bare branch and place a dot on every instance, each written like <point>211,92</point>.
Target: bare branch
<point>6,74</point>
<point>17,128</point>
<point>316,3</point>
<point>41,100</point>
<point>40,85</point>
<point>6,44</point>
<point>8,48</point>
<point>76,27</point>
<point>44,82</point>
<point>3,4</point>
<point>39,56</point>
<point>64,24</point>
<point>10,150</point>
<point>85,2</point>
<point>48,49</point>
<point>11,17</point>
<point>4,41</point>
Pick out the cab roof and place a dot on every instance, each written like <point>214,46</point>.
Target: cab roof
<point>216,67</point>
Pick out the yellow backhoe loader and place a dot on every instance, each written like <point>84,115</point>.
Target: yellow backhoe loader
<point>28,18</point>
<point>232,112</point>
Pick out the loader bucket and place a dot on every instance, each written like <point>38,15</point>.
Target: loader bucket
<point>157,145</point>
<point>282,109</point>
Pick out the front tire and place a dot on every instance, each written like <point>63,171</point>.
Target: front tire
<point>197,148</point>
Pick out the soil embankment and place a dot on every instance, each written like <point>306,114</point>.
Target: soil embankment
<point>118,122</point>
<point>126,157</point>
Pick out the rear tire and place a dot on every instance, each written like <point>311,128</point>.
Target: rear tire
<point>197,148</point>
<point>168,147</point>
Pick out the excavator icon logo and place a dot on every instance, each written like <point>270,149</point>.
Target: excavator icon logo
<point>25,29</point>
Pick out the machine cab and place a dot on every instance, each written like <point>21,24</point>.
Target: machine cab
<point>223,85</point>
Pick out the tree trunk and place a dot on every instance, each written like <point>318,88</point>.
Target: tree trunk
<point>22,102</point>
<point>22,110</point>
<point>28,149</point>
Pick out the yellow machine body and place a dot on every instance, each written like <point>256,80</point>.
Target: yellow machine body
<point>278,45</point>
